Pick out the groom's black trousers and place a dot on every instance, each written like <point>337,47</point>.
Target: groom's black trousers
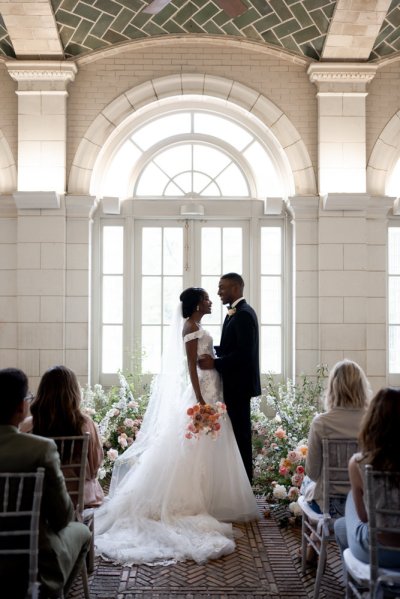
<point>239,413</point>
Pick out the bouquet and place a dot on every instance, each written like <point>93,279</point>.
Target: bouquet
<point>204,419</point>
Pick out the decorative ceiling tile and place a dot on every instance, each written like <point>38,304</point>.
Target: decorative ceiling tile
<point>388,41</point>
<point>289,24</point>
<point>298,26</point>
<point>6,47</point>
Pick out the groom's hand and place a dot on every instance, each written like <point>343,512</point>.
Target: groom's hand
<point>205,362</point>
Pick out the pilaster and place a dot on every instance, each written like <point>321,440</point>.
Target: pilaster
<point>342,89</point>
<point>42,94</point>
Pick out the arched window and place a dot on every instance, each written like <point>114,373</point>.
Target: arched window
<point>195,183</point>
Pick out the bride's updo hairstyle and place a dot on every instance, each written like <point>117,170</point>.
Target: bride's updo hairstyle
<point>190,299</point>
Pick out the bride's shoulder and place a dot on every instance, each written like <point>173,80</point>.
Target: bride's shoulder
<point>189,327</point>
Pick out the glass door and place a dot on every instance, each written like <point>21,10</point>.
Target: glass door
<point>171,256</point>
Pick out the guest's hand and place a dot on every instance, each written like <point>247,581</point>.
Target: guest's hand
<point>206,362</point>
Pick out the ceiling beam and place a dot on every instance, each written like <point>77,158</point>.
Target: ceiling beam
<point>354,29</point>
<point>32,28</point>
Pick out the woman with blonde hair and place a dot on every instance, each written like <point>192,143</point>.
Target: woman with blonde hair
<point>346,400</point>
<point>56,413</point>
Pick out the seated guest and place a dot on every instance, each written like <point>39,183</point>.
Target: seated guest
<point>56,413</point>
<point>346,400</point>
<point>62,543</point>
<point>380,446</point>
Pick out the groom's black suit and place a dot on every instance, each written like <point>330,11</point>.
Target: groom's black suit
<point>238,363</point>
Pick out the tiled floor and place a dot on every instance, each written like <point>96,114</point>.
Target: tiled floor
<point>264,565</point>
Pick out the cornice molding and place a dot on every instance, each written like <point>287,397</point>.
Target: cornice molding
<point>372,206</point>
<point>36,200</point>
<point>341,76</point>
<point>81,206</point>
<point>303,207</point>
<point>43,72</point>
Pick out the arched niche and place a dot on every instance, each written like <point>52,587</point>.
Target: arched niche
<point>108,130</point>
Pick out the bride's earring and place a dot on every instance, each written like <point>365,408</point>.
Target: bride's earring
<point>198,308</point>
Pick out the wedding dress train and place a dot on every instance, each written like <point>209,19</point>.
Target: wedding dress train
<point>173,498</point>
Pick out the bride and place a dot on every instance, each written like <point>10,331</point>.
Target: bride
<point>173,498</point>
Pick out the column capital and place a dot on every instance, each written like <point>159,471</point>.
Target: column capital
<point>42,75</point>
<point>341,77</point>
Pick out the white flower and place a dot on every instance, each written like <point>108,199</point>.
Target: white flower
<point>295,508</point>
<point>102,473</point>
<point>128,422</point>
<point>279,492</point>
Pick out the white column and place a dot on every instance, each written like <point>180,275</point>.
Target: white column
<point>42,114</point>
<point>8,283</point>
<point>41,267</point>
<point>306,283</point>
<point>80,210</point>
<point>341,125</point>
<point>352,282</point>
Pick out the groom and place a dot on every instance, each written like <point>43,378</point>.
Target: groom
<point>238,362</point>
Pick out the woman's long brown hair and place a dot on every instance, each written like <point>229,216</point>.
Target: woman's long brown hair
<point>55,410</point>
<point>379,437</point>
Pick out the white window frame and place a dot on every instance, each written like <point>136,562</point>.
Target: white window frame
<point>219,211</point>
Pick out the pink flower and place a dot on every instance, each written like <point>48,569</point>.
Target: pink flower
<point>188,435</point>
<point>129,422</point>
<point>300,469</point>
<point>293,456</point>
<point>283,471</point>
<point>112,454</point>
<point>122,440</point>
<point>274,445</point>
<point>293,493</point>
<point>297,479</point>
<point>280,433</point>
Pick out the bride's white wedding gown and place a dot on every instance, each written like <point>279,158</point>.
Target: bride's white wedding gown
<point>170,504</point>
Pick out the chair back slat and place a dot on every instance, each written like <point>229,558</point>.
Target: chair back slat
<point>336,454</point>
<point>21,495</point>
<point>73,452</point>
<point>383,509</point>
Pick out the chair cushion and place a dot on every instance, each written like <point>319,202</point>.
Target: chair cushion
<point>360,570</point>
<point>307,509</point>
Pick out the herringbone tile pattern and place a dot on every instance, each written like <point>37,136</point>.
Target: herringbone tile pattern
<point>296,25</point>
<point>264,566</point>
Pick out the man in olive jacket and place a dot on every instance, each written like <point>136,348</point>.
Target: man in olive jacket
<point>62,543</point>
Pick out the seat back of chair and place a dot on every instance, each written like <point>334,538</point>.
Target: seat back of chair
<point>20,499</point>
<point>73,456</point>
<point>383,509</point>
<point>336,454</point>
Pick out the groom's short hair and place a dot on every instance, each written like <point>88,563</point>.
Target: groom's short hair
<point>234,276</point>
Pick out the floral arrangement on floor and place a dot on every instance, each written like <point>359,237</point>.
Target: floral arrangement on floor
<point>118,415</point>
<point>281,419</point>
<point>203,419</point>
